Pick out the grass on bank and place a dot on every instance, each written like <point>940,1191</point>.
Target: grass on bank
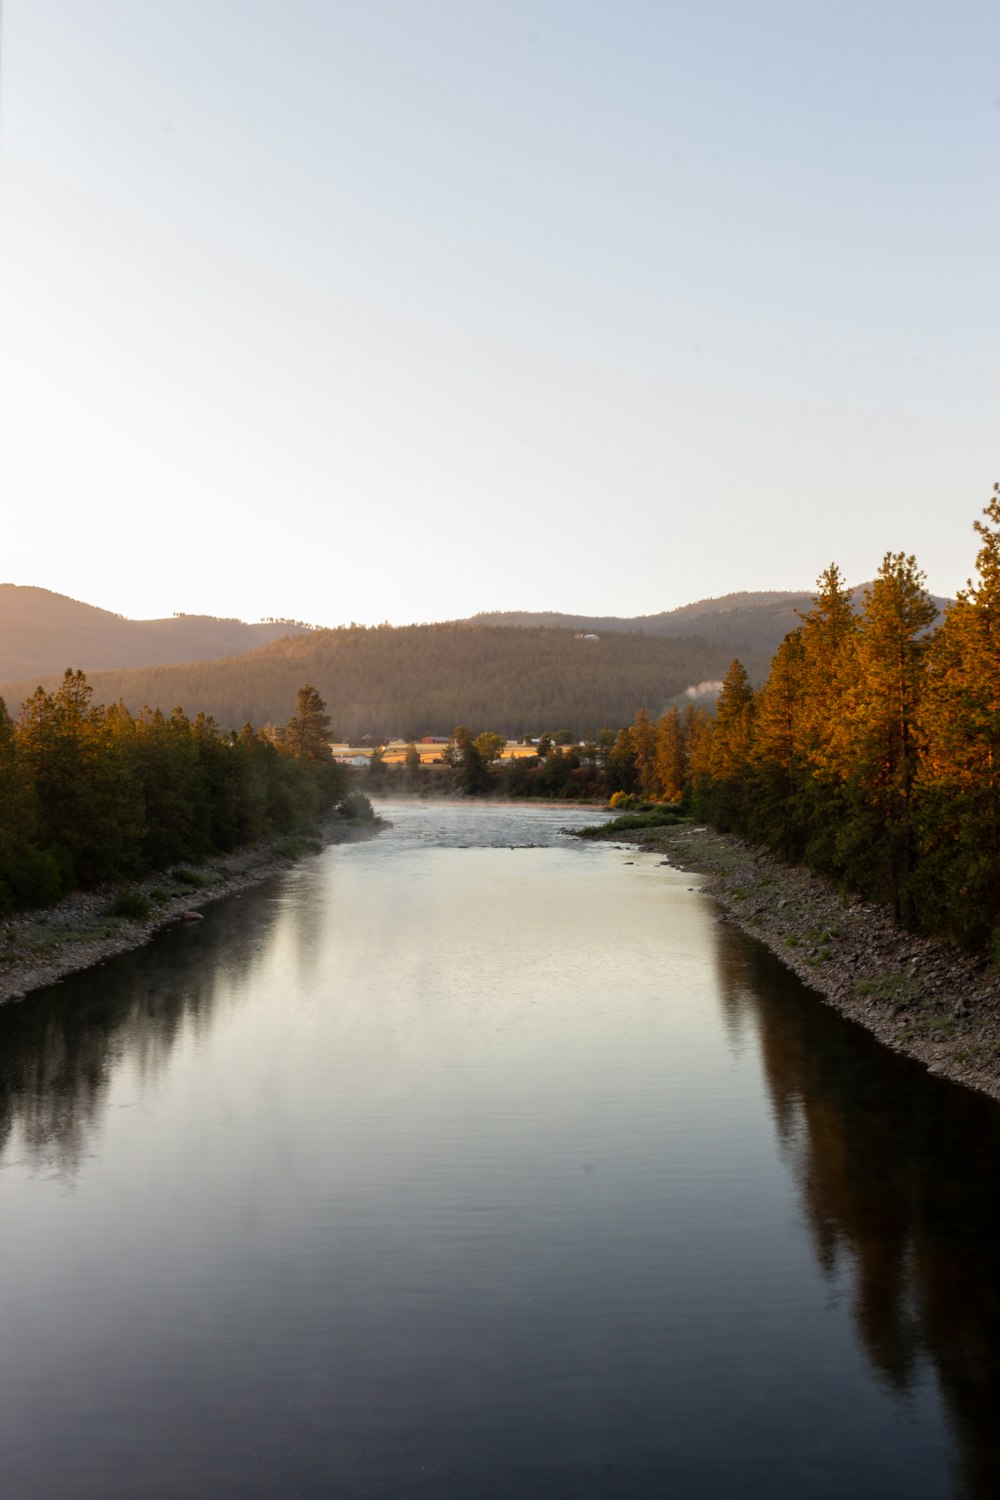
<point>636,822</point>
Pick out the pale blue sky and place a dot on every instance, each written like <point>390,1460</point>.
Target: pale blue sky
<point>384,310</point>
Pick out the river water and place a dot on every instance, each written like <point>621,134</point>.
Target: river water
<point>481,1161</point>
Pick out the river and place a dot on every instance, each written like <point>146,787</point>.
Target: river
<point>481,1161</point>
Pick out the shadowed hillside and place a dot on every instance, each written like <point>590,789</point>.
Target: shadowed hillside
<point>425,679</point>
<point>750,626</point>
<point>41,633</point>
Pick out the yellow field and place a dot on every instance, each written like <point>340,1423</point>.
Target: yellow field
<point>429,754</point>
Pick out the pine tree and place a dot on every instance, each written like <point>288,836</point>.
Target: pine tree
<point>776,753</point>
<point>829,639</point>
<point>308,733</point>
<point>671,756</point>
<point>644,747</point>
<point>729,749</point>
<point>959,777</point>
<point>877,737</point>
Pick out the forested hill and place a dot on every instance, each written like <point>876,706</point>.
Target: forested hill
<point>750,626</point>
<point>424,679</point>
<point>41,633</point>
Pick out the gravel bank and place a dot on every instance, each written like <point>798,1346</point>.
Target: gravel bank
<point>920,997</point>
<point>40,947</point>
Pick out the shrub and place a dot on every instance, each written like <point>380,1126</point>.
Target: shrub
<point>188,877</point>
<point>37,879</point>
<point>294,845</point>
<point>131,904</point>
<point>357,807</point>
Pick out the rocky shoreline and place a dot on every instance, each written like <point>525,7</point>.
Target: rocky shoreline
<point>918,996</point>
<point>41,947</point>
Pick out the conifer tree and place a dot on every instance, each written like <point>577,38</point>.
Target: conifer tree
<point>729,749</point>
<point>671,755</point>
<point>776,752</point>
<point>643,736</point>
<point>876,738</point>
<point>308,732</point>
<point>959,777</point>
<point>829,637</point>
<point>622,771</point>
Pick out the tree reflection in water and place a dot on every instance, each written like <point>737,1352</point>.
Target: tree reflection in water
<point>896,1171</point>
<point>59,1049</point>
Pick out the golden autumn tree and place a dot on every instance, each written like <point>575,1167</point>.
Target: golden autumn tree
<point>959,776</point>
<point>671,755</point>
<point>877,735</point>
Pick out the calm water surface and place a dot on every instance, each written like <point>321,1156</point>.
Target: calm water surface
<point>478,1161</point>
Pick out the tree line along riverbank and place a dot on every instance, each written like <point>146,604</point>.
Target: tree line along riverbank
<point>871,753</point>
<point>92,794</point>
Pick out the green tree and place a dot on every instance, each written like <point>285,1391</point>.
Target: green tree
<point>411,762</point>
<point>19,858</point>
<point>66,754</point>
<point>308,732</point>
<point>490,746</point>
<point>469,775</point>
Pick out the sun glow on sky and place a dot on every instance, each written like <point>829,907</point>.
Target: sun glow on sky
<point>411,308</point>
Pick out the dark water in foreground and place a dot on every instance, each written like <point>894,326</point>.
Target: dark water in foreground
<point>443,1168</point>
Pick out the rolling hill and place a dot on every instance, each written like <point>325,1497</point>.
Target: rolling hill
<point>42,633</point>
<point>424,679</point>
<point>517,673</point>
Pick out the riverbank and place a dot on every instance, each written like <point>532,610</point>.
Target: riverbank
<point>41,947</point>
<point>918,996</point>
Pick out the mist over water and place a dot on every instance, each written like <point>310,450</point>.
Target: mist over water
<point>480,1160</point>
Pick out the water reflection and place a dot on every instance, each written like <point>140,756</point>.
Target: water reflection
<point>436,1170</point>
<point>59,1050</point>
<point>895,1172</point>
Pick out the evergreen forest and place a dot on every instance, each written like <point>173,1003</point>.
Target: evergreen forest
<point>92,793</point>
<point>407,681</point>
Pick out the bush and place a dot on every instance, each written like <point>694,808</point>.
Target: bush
<point>357,807</point>
<point>38,879</point>
<point>294,845</point>
<point>656,817</point>
<point>131,904</point>
<point>189,877</point>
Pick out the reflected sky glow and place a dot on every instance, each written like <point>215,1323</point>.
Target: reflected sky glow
<point>501,1170</point>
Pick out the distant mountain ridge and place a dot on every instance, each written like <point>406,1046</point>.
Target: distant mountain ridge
<point>750,624</point>
<point>42,633</point>
<point>517,672</point>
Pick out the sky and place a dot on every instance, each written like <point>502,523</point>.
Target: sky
<point>401,310</point>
